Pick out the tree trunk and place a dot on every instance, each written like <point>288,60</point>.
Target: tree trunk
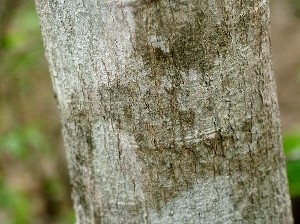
<point>169,110</point>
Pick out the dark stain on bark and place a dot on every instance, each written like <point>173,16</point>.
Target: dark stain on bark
<point>160,126</point>
<point>78,126</point>
<point>188,45</point>
<point>169,170</point>
<point>169,48</point>
<point>247,130</point>
<point>171,163</point>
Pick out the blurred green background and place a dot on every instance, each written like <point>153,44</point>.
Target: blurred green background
<point>34,184</point>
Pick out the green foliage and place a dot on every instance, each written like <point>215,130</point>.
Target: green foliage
<point>19,141</point>
<point>32,188</point>
<point>23,44</point>
<point>68,218</point>
<point>296,6</point>
<point>291,144</point>
<point>21,145</point>
<point>15,203</point>
<point>23,29</point>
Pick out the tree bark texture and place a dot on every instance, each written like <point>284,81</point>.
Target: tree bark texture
<point>169,110</point>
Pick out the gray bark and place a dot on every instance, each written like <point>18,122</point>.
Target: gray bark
<point>169,110</point>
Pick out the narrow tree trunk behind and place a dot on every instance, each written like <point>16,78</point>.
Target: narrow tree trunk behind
<point>169,110</point>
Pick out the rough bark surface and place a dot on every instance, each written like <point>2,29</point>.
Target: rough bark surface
<point>169,110</point>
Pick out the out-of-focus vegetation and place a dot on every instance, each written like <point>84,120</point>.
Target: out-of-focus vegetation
<point>291,144</point>
<point>34,185</point>
<point>296,7</point>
